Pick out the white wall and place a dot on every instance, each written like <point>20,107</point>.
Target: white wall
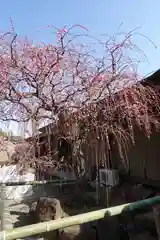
<point>11,174</point>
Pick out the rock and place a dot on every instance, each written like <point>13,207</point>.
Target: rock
<point>46,209</point>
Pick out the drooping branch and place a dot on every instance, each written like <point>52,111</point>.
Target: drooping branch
<point>90,97</point>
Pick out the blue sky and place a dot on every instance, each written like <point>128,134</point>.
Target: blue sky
<point>100,17</point>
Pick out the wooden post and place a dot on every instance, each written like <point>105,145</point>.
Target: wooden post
<point>6,221</point>
<point>156,210</point>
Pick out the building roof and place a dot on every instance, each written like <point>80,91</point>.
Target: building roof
<point>153,79</point>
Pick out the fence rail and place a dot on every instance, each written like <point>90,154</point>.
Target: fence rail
<point>77,219</point>
<point>60,181</point>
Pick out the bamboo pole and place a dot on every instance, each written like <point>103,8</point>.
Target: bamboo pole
<point>6,221</point>
<point>38,182</point>
<point>2,207</point>
<point>77,219</point>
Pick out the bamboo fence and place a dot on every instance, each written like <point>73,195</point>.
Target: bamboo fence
<point>61,181</point>
<point>17,233</point>
<point>6,219</point>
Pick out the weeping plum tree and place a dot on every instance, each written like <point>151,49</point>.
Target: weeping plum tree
<point>89,97</point>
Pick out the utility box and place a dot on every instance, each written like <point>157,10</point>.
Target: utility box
<point>109,177</point>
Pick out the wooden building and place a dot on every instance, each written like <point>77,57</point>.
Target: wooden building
<point>143,156</point>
